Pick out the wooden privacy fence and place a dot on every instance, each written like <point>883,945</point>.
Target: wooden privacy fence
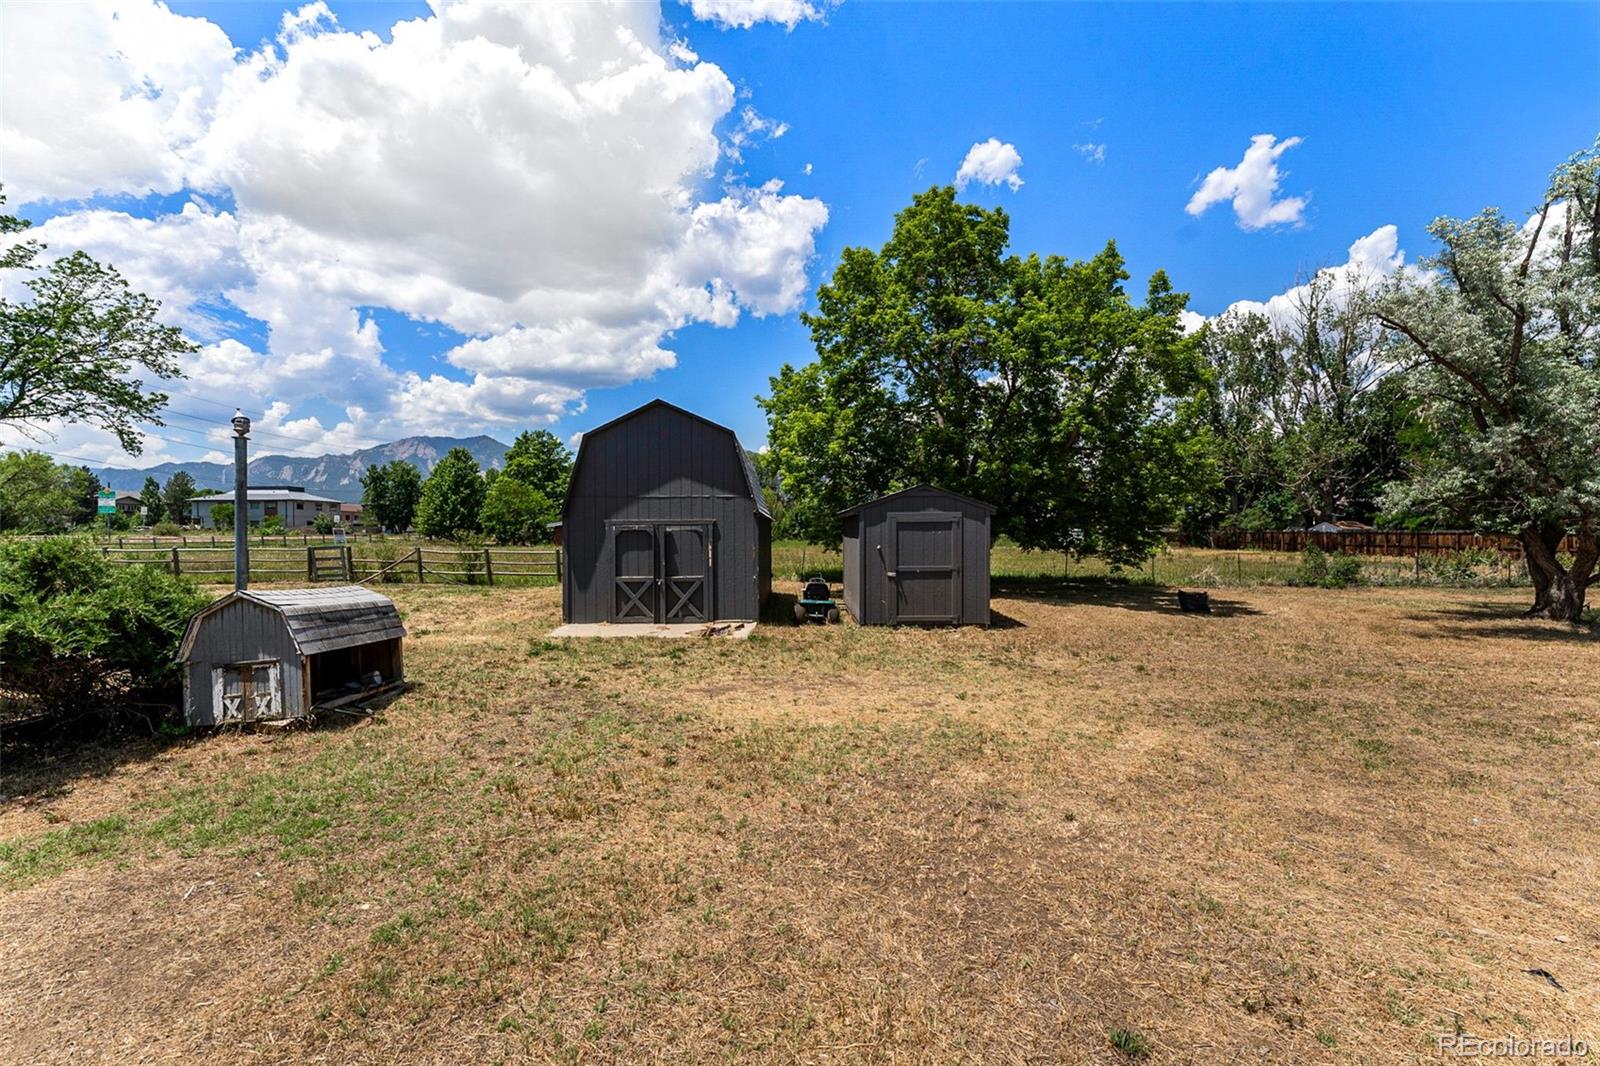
<point>350,564</point>
<point>1370,541</point>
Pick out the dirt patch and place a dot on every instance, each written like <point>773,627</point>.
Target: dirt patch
<point>1321,826</point>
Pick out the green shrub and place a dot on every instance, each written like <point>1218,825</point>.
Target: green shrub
<point>80,634</point>
<point>1321,570</point>
<point>1469,566</point>
<point>273,523</point>
<point>167,529</point>
<point>222,516</point>
<point>323,524</point>
<point>514,513</point>
<point>116,522</point>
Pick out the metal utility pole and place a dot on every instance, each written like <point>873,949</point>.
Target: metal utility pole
<point>241,501</point>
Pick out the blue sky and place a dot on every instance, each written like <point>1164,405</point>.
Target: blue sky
<point>1402,113</point>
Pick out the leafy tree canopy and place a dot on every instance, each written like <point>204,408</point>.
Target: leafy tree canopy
<point>390,494</point>
<point>72,348</point>
<point>515,513</point>
<point>452,497</point>
<point>176,494</point>
<point>150,498</point>
<point>1033,383</point>
<point>539,460</point>
<point>1499,344</point>
<point>35,494</point>
<point>1304,424</point>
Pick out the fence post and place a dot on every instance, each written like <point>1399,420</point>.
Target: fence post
<point>560,554</point>
<point>176,569</point>
<point>488,566</point>
<point>421,579</point>
<point>349,563</point>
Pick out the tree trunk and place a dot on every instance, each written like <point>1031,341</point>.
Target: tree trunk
<point>1558,591</point>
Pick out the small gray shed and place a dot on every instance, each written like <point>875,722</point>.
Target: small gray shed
<point>268,656</point>
<point>664,522</point>
<point>918,556</point>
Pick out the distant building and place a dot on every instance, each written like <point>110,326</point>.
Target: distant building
<point>128,503</point>
<point>349,513</point>
<point>1343,525</point>
<point>292,503</point>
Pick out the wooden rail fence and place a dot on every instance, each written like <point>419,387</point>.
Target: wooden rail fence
<point>1369,541</point>
<point>335,562</point>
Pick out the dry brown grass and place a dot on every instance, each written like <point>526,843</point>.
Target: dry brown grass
<point>1315,826</point>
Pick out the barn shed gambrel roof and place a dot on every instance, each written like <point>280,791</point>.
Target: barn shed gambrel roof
<point>752,481</point>
<point>319,620</point>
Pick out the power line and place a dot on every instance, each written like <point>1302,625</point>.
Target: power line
<point>360,442</point>
<point>263,433</point>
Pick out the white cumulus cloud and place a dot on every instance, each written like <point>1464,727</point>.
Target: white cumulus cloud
<point>1369,260</point>
<point>990,163</point>
<point>1252,186</point>
<point>1094,153</point>
<point>103,97</point>
<point>539,178</point>
<point>742,14</point>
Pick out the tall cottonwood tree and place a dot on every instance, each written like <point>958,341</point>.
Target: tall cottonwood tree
<point>1035,384</point>
<point>1306,425</point>
<point>1500,345</point>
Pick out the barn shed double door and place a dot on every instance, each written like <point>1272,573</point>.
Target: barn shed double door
<point>661,571</point>
<point>924,567</point>
<point>247,692</point>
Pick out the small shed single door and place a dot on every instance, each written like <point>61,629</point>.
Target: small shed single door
<point>924,569</point>
<point>635,588</point>
<point>247,692</point>
<point>686,573</point>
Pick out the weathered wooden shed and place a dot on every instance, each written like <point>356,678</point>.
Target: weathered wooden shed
<point>664,522</point>
<point>273,655</point>
<point>918,556</point>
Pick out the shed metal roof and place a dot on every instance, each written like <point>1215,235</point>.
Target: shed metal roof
<point>925,488</point>
<point>254,494</point>
<point>319,619</point>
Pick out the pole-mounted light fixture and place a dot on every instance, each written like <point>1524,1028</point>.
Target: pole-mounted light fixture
<point>241,500</point>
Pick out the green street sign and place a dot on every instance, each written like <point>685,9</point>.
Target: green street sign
<point>108,501</point>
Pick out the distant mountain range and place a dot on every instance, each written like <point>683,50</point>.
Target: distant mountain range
<point>337,477</point>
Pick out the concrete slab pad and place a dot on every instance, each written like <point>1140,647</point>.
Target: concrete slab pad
<point>719,630</point>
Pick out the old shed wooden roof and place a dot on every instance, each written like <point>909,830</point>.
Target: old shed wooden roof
<point>319,619</point>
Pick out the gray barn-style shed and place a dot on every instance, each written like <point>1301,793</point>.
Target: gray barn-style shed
<point>664,522</point>
<point>274,655</point>
<point>918,556</point>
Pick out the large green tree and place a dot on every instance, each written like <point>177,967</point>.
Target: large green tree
<point>390,493</point>
<point>1034,383</point>
<point>539,460</point>
<point>1305,425</point>
<point>35,493</point>
<point>452,498</point>
<point>83,490</point>
<point>150,497</point>
<point>516,513</point>
<point>1499,343</point>
<point>73,347</point>
<point>175,497</point>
